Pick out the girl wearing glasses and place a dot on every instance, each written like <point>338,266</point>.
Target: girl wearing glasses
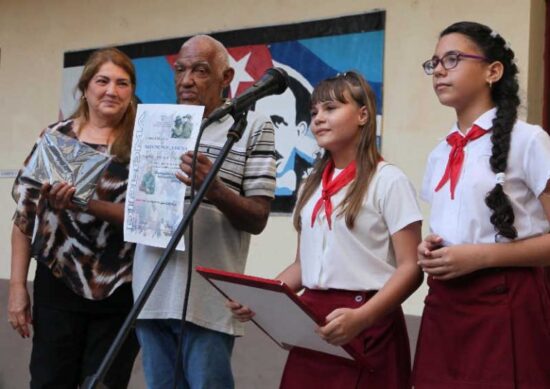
<point>359,226</point>
<point>486,321</point>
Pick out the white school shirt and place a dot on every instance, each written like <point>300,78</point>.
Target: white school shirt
<point>362,258</point>
<point>466,219</point>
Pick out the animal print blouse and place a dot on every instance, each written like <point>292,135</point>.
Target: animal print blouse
<point>88,254</point>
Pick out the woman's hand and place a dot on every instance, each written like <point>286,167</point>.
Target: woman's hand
<point>343,324</point>
<point>59,196</point>
<point>19,309</point>
<point>240,312</point>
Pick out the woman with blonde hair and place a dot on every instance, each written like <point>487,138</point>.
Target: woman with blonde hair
<point>82,289</point>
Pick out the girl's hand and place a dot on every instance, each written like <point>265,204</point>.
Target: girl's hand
<point>430,243</point>
<point>19,310</point>
<point>240,312</point>
<point>450,262</point>
<point>59,196</point>
<point>343,324</point>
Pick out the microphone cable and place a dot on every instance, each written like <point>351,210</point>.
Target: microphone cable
<point>189,260</point>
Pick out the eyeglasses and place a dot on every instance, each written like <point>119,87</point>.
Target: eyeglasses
<point>448,61</point>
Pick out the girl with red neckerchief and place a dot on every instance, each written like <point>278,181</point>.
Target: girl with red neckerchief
<point>359,224</point>
<point>486,320</point>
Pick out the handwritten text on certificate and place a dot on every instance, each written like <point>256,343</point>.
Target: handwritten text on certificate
<point>155,197</point>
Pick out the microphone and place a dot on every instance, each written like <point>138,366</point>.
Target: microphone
<point>273,82</point>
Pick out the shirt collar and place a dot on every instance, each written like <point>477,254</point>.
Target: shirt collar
<point>223,118</point>
<point>485,121</point>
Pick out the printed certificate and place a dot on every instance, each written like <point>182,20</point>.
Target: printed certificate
<point>155,197</point>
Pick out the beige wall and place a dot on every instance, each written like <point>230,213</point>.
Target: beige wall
<point>34,35</point>
<point>535,90</point>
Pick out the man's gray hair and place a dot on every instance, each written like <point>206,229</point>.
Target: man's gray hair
<point>221,53</point>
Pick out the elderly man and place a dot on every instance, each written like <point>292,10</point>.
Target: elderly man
<point>236,205</point>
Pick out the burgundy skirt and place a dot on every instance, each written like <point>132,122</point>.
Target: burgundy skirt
<point>385,347</point>
<point>489,329</point>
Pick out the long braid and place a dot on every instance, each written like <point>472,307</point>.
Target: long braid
<point>505,95</point>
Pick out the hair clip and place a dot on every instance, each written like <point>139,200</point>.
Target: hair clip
<point>494,34</point>
<point>507,45</point>
<point>500,177</point>
<point>342,74</point>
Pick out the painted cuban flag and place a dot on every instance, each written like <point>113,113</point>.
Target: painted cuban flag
<point>309,52</point>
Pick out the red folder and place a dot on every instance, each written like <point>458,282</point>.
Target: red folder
<point>279,312</point>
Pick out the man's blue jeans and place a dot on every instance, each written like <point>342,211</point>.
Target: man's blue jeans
<point>206,355</point>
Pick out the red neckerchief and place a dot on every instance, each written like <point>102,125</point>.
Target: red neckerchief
<point>456,156</point>
<point>330,187</point>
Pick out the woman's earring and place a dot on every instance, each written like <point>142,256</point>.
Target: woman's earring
<point>490,84</point>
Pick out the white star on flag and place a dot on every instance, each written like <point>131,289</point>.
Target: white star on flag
<point>241,75</point>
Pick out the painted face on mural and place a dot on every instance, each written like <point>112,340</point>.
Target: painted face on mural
<point>293,140</point>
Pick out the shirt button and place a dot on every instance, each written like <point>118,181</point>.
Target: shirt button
<point>358,298</point>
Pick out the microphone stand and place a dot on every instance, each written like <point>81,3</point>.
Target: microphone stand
<point>235,133</point>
